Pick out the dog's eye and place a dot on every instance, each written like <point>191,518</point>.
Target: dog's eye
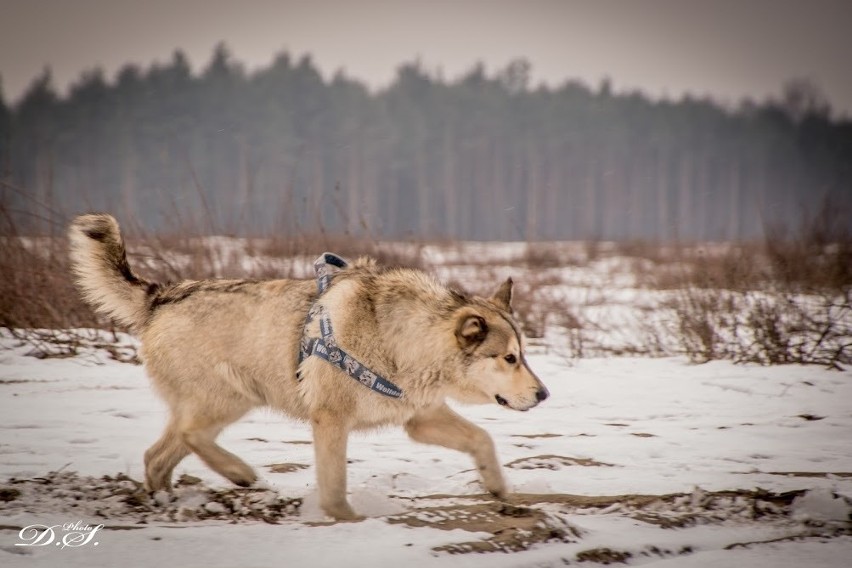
<point>510,359</point>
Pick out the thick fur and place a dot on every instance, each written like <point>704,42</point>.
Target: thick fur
<point>215,349</point>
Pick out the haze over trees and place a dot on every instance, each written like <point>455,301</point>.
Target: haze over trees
<point>489,157</point>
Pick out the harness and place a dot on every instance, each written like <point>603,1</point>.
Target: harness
<point>325,347</point>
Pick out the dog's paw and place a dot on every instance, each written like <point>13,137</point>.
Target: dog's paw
<point>496,485</point>
<point>243,476</point>
<point>342,512</point>
<point>494,482</point>
<point>499,493</point>
<point>153,484</point>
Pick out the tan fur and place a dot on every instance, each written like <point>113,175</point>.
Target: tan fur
<point>216,349</point>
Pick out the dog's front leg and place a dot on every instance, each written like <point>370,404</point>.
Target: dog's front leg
<point>443,427</point>
<point>330,438</point>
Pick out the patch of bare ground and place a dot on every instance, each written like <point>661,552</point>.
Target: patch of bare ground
<point>514,525</point>
<point>121,498</point>
<point>699,505</point>
<point>297,442</point>
<point>533,436</point>
<point>526,519</point>
<point>698,499</point>
<point>286,467</point>
<point>67,343</point>
<point>818,533</point>
<point>819,474</point>
<point>513,528</point>
<point>604,555</point>
<point>554,462</point>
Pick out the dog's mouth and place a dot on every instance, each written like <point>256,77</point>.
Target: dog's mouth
<point>503,402</point>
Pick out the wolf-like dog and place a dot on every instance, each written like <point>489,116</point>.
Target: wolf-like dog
<point>215,349</point>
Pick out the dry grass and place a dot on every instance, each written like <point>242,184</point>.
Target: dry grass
<point>817,255</point>
<point>36,290</point>
<point>734,266</point>
<point>787,299</point>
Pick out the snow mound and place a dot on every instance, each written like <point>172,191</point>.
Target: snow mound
<point>821,506</point>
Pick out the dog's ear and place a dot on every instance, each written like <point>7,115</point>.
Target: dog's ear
<point>503,296</point>
<point>471,328</point>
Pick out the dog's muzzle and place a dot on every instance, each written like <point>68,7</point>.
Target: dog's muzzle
<point>540,395</point>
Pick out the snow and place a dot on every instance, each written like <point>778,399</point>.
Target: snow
<point>821,505</point>
<point>752,465</point>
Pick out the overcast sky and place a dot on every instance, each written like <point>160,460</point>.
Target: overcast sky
<point>726,48</point>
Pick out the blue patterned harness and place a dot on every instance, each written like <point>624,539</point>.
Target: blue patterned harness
<point>325,347</point>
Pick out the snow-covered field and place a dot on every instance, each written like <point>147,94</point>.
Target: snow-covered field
<point>635,460</point>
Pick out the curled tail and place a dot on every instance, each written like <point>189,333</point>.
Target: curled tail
<point>99,264</point>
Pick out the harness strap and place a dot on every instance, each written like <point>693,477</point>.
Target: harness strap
<point>325,347</point>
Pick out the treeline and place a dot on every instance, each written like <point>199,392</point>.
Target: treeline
<point>282,151</point>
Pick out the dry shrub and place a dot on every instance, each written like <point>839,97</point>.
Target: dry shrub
<point>75,342</point>
<point>36,290</point>
<point>171,258</point>
<point>397,254</point>
<point>592,249</point>
<point>768,328</point>
<point>774,322</point>
<point>788,328</point>
<point>818,256</point>
<point>539,307</point>
<point>785,300</point>
<point>702,315</point>
<point>734,266</point>
<point>543,255</point>
<point>641,249</point>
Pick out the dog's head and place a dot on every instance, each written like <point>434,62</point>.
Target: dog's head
<point>494,368</point>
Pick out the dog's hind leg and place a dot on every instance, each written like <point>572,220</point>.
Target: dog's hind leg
<point>199,432</point>
<point>162,457</point>
<point>330,439</point>
<point>443,427</point>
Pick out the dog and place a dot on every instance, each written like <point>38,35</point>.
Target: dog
<point>215,349</point>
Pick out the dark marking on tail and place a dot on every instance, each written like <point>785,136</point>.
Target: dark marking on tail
<point>101,231</point>
<point>128,275</point>
<point>96,234</point>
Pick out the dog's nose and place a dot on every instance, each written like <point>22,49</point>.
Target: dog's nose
<point>541,394</point>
